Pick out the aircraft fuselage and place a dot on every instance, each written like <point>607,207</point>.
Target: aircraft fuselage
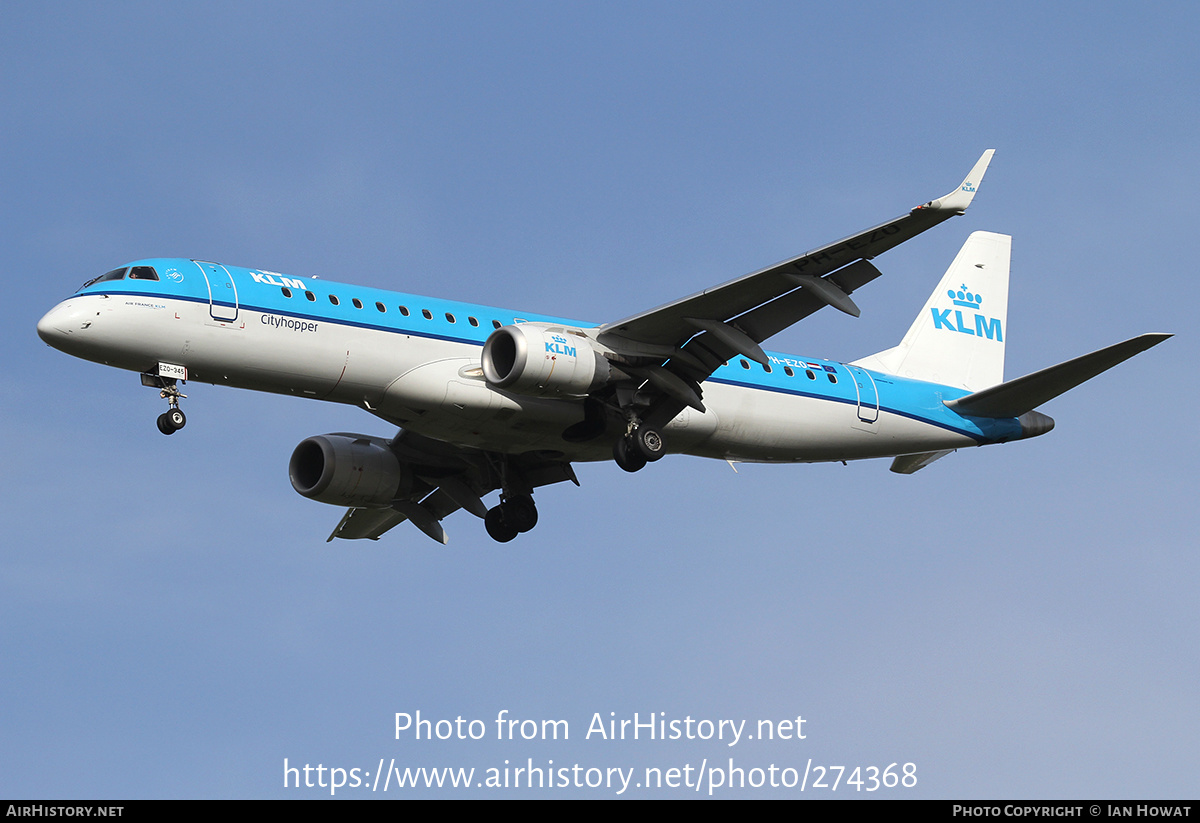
<point>415,361</point>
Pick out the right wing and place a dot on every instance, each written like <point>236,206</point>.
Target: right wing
<point>447,478</point>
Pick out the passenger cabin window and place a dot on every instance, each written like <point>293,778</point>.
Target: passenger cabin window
<point>357,303</point>
<point>311,297</point>
<point>767,368</point>
<point>496,324</point>
<point>745,365</point>
<point>143,273</point>
<point>404,310</point>
<point>472,321</point>
<point>286,291</point>
<point>811,376</point>
<point>382,308</point>
<point>832,377</point>
<point>426,314</point>
<point>788,371</point>
<point>449,317</point>
<point>333,299</point>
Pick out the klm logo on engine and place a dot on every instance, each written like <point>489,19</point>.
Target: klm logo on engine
<point>269,278</point>
<point>558,345</point>
<point>979,326</point>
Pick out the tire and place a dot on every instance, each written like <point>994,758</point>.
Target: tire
<point>163,425</point>
<point>175,419</point>
<point>520,513</point>
<point>649,443</point>
<point>628,458</point>
<point>497,527</point>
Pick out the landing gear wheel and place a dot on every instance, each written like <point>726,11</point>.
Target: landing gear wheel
<point>628,457</point>
<point>648,443</point>
<point>520,513</point>
<point>173,419</point>
<point>498,527</point>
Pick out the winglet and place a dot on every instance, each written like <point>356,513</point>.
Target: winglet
<point>960,198</point>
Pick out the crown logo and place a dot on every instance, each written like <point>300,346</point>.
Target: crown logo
<point>962,297</point>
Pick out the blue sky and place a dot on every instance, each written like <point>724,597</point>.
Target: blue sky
<point>1018,621</point>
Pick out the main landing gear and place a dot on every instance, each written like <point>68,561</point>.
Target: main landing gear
<point>640,445</point>
<point>515,515</point>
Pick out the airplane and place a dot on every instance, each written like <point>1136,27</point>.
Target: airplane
<point>490,399</point>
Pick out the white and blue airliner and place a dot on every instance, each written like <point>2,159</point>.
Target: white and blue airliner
<point>490,399</point>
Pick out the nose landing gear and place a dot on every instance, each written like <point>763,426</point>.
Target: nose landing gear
<point>173,419</point>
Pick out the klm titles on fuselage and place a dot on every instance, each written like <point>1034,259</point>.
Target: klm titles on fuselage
<point>285,282</point>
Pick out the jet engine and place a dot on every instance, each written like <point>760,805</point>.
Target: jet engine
<point>543,361</point>
<point>348,470</point>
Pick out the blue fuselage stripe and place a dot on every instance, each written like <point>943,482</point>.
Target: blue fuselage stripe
<point>324,312</point>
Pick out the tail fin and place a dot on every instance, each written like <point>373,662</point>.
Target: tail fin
<point>958,338</point>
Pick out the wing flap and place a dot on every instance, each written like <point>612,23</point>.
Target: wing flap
<point>368,524</point>
<point>771,318</point>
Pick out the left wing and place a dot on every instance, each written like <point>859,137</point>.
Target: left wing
<point>674,348</point>
<point>769,300</point>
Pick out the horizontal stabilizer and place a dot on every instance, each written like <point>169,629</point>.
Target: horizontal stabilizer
<point>909,463</point>
<point>1014,398</point>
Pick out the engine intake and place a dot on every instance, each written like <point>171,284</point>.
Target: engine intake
<point>534,359</point>
<point>348,470</point>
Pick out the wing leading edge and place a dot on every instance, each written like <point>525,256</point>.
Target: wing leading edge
<point>779,295</point>
<point>676,347</point>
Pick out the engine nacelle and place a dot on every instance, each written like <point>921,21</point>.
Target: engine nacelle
<point>348,470</point>
<point>541,360</point>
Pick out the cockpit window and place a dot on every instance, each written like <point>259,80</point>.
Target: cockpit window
<point>115,274</point>
<point>143,273</point>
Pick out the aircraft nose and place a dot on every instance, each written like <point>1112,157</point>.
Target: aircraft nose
<point>53,328</point>
<point>46,329</point>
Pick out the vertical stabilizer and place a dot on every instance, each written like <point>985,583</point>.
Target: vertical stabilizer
<point>958,338</point>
